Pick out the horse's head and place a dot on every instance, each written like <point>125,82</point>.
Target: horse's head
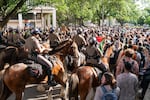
<point>67,47</point>
<point>108,53</point>
<point>109,50</point>
<point>60,75</point>
<point>7,55</point>
<point>73,49</point>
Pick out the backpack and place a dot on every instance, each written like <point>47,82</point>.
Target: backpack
<point>109,95</point>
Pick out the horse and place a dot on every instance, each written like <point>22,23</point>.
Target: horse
<point>79,59</point>
<point>12,55</point>
<point>114,52</point>
<point>107,56</point>
<point>15,77</point>
<point>84,80</point>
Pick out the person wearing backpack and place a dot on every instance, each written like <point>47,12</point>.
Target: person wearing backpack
<point>108,89</point>
<point>128,83</point>
<point>128,54</point>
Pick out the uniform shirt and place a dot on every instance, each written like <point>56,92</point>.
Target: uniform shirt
<point>92,52</point>
<point>32,43</point>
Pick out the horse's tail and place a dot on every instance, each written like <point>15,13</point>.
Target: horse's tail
<point>73,87</point>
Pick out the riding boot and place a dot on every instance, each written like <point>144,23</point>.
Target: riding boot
<point>51,80</point>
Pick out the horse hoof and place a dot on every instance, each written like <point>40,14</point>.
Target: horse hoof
<point>40,88</point>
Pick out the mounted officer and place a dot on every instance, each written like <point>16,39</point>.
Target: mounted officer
<point>36,50</point>
<point>54,39</point>
<point>79,39</point>
<point>93,55</point>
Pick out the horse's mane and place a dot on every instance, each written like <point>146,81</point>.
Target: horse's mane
<point>61,46</point>
<point>107,47</point>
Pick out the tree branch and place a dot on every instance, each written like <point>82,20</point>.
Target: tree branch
<point>12,12</point>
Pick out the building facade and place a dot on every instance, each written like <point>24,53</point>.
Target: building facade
<point>40,16</point>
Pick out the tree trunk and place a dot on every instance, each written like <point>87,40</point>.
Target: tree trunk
<point>5,19</point>
<point>121,21</point>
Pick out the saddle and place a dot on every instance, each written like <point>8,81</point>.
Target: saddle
<point>35,69</point>
<point>2,47</point>
<point>97,72</point>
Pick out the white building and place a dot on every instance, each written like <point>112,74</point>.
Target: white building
<point>40,16</point>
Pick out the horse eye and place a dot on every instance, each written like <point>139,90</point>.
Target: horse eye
<point>72,47</point>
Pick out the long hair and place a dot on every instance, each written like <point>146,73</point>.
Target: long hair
<point>129,52</point>
<point>110,79</point>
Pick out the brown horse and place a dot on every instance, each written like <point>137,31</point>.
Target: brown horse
<point>17,76</point>
<point>81,82</point>
<point>84,79</point>
<point>78,59</point>
<point>12,55</point>
<point>106,58</point>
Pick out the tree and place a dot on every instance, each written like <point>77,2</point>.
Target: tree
<point>127,12</point>
<point>107,8</point>
<point>147,17</point>
<point>144,14</point>
<point>80,11</point>
<point>147,20</point>
<point>76,11</point>
<point>7,9</point>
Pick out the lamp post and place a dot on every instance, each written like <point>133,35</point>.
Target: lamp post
<point>42,19</point>
<point>34,19</point>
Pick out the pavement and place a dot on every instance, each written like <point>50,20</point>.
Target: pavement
<point>31,93</point>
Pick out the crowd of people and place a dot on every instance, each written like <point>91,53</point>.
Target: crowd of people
<point>129,56</point>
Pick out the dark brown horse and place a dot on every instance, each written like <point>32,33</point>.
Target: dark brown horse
<point>84,80</point>
<point>12,55</point>
<point>17,76</point>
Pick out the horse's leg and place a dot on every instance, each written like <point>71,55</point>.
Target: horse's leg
<point>83,95</point>
<point>5,93</point>
<point>67,90</point>
<point>19,95</point>
<point>87,90</point>
<point>64,91</point>
<point>50,93</point>
<point>63,94</point>
<point>91,94</point>
<point>73,87</point>
<point>83,91</point>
